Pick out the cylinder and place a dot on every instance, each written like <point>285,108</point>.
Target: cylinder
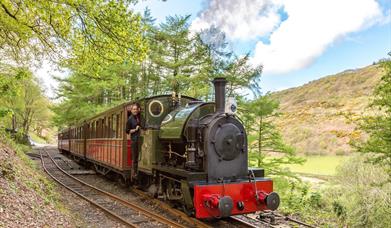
<point>219,84</point>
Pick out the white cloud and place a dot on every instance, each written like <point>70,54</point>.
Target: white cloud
<point>240,19</point>
<point>311,27</point>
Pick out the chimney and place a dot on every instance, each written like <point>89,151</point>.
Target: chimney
<point>219,84</point>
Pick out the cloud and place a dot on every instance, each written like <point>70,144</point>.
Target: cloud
<point>240,19</point>
<point>310,28</point>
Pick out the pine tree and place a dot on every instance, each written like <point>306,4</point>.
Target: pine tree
<point>268,150</point>
<point>174,53</point>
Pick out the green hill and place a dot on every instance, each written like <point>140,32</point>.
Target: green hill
<point>317,117</point>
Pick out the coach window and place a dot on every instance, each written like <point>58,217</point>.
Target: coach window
<point>91,130</point>
<point>121,124</point>
<point>105,120</point>
<point>100,128</point>
<point>97,128</point>
<point>102,133</point>
<point>117,126</point>
<point>109,126</point>
<point>94,126</point>
<point>97,124</point>
<point>114,126</point>
<point>101,123</point>
<point>107,123</point>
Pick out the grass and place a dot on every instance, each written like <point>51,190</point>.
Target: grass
<point>319,165</point>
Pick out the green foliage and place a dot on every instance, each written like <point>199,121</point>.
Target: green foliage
<point>89,38</point>
<point>358,196</point>
<point>176,61</point>
<point>361,194</point>
<point>378,125</point>
<point>33,28</point>
<point>300,199</point>
<point>269,150</point>
<point>23,105</point>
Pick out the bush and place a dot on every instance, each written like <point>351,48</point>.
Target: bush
<point>299,199</point>
<point>361,194</point>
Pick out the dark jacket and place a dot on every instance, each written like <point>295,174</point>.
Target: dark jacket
<point>131,124</point>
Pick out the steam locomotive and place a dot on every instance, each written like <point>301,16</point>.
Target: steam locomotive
<point>191,153</point>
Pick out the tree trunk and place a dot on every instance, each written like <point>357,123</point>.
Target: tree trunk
<point>260,142</point>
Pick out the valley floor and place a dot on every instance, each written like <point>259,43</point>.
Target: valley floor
<point>319,165</point>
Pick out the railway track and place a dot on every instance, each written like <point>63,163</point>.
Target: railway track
<point>126,212</point>
<point>133,215</point>
<point>176,212</point>
<point>269,219</point>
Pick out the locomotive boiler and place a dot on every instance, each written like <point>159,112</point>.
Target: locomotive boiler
<point>192,153</point>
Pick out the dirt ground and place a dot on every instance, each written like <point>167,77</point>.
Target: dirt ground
<point>30,198</point>
<point>23,202</point>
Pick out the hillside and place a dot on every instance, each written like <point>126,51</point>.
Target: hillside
<point>316,117</point>
<point>27,198</point>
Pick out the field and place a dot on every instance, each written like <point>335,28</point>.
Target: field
<point>319,165</point>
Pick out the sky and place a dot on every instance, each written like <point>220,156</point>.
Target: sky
<point>296,41</point>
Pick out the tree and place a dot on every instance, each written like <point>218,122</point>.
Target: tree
<point>10,80</point>
<point>24,101</point>
<point>268,149</point>
<point>32,28</point>
<point>174,53</point>
<point>378,125</point>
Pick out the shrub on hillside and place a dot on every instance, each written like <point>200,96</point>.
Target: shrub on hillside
<point>301,199</point>
<point>361,194</point>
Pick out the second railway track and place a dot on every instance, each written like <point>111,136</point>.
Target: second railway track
<point>126,212</point>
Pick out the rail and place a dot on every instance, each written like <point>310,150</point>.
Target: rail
<point>78,191</point>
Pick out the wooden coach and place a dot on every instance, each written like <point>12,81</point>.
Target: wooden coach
<point>102,141</point>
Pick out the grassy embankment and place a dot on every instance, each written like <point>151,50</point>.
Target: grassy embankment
<point>27,197</point>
